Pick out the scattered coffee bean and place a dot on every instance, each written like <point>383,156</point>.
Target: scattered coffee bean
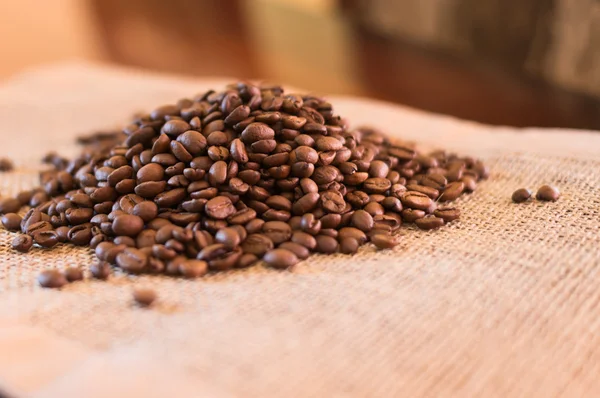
<point>429,222</point>
<point>100,270</point>
<point>22,243</point>
<point>548,193</point>
<point>73,274</point>
<point>144,297</point>
<point>52,278</point>
<point>521,195</point>
<point>385,241</point>
<point>12,221</point>
<point>447,214</point>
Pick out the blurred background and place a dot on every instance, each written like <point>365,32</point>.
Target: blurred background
<point>512,62</point>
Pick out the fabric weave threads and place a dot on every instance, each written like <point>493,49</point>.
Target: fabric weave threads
<point>504,302</point>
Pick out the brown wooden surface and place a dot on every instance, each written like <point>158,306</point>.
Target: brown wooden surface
<point>211,38</point>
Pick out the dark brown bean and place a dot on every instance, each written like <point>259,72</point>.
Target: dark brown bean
<point>447,214</point>
<point>429,222</point>
<point>52,278</point>
<point>100,270</point>
<point>144,297</point>
<point>385,241</point>
<point>452,191</point>
<point>257,244</point>
<point>12,221</point>
<point>326,244</point>
<point>280,258</point>
<point>73,274</point>
<point>22,243</point>
<point>548,193</point>
<point>348,245</point>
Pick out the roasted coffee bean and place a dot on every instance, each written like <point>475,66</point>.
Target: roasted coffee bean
<point>12,221</point>
<point>376,185</point>
<point>146,210</point>
<point>277,231</point>
<point>280,258</point>
<point>374,209</point>
<point>246,260</point>
<point>470,183</point>
<point>548,193</point>
<point>385,241</point>
<point>132,260</point>
<point>305,239</point>
<point>411,215</point>
<point>521,195</point>
<point>9,205</point>
<point>257,244</point>
<point>452,191</point>
<point>416,200</point>
<point>62,234</point>
<point>333,202</point>
<point>193,268</point>
<point>219,208</point>
<point>228,237</point>
<point>429,222</point>
<point>447,214</point>
<point>73,274</point>
<point>310,224</point>
<point>127,225</point>
<point>80,235</point>
<point>362,220</point>
<point>22,243</point>
<point>125,241</point>
<point>326,244</point>
<point>348,245</point>
<point>309,201</point>
<point>144,297</point>
<point>100,270</point>
<point>351,232</point>
<point>52,278</point>
<point>46,239</point>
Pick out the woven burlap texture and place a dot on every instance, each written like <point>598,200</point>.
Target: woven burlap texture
<point>503,302</point>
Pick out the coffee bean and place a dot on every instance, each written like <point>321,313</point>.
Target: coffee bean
<point>333,202</point>
<point>452,191</point>
<point>73,274</point>
<point>52,278</point>
<point>79,235</point>
<point>132,260</point>
<point>12,221</point>
<point>521,195</point>
<point>362,220</point>
<point>144,297</point>
<point>411,215</point>
<point>9,205</point>
<point>348,245</point>
<point>228,237</point>
<point>219,208</point>
<point>146,210</point>
<point>46,239</point>
<point>326,244</point>
<point>447,214</point>
<point>416,200</point>
<point>376,185</point>
<point>100,270</point>
<point>548,193</point>
<point>127,225</point>
<point>62,234</point>
<point>246,260</point>
<point>385,241</point>
<point>22,243</point>
<point>277,231</point>
<point>429,222</point>
<point>305,239</point>
<point>299,250</point>
<point>193,268</point>
<point>280,258</point>
<point>257,244</point>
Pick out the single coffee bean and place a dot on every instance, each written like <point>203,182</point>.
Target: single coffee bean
<point>219,208</point>
<point>412,215</point>
<point>435,181</point>
<point>127,225</point>
<point>146,210</point>
<point>80,235</point>
<point>351,232</point>
<point>416,200</point>
<point>362,220</point>
<point>257,244</point>
<point>22,243</point>
<point>62,234</point>
<point>429,222</point>
<point>431,192</point>
<point>52,278</point>
<point>73,274</point>
<point>299,250</point>
<point>10,205</point>
<point>304,239</point>
<point>385,241</point>
<point>521,195</point>
<point>280,258</point>
<point>333,202</point>
<point>448,214</point>
<point>452,191</point>
<point>348,245</point>
<point>12,221</point>
<point>144,297</point>
<point>193,268</point>
<point>228,237</point>
<point>132,260</point>
<point>548,193</point>
<point>326,244</point>
<point>277,231</point>
<point>246,260</point>
<point>46,239</point>
<point>100,270</point>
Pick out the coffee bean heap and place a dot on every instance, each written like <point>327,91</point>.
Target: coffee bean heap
<point>228,178</point>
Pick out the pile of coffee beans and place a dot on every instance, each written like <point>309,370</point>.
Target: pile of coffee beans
<point>226,179</point>
<point>546,193</point>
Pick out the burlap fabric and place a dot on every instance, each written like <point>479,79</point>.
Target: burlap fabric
<point>504,302</point>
